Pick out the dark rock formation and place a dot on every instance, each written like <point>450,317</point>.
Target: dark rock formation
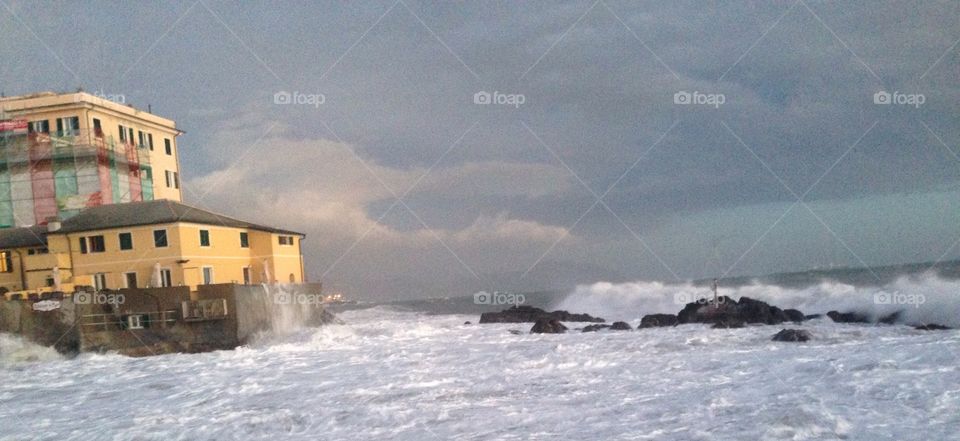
<point>848,317</point>
<point>728,324</point>
<point>621,326</point>
<point>548,326</point>
<point>891,318</point>
<point>812,316</point>
<point>655,320</point>
<point>595,328</point>
<point>529,314</point>
<point>467,323</point>
<point>731,312</point>
<point>794,315</point>
<point>932,327</point>
<point>792,335</point>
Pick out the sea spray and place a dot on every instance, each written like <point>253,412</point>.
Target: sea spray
<point>923,298</point>
<point>15,350</point>
<point>279,309</point>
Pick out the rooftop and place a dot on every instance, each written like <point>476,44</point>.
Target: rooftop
<point>42,100</point>
<point>129,214</point>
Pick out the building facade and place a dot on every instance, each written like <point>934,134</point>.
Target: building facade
<point>159,243</point>
<point>62,153</point>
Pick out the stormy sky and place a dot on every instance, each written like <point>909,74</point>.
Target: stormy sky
<point>440,148</point>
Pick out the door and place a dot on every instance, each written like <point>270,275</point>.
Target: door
<point>131,279</point>
<point>246,275</point>
<point>166,279</point>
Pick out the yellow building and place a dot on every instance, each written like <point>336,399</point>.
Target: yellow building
<point>147,244</point>
<point>65,152</point>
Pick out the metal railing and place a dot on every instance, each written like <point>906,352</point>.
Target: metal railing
<point>120,322</point>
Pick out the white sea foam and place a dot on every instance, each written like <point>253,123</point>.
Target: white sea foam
<point>387,374</point>
<point>923,299</point>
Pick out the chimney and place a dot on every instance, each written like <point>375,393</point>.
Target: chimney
<point>53,224</point>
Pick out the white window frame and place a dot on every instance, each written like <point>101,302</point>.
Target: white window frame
<point>200,237</point>
<point>203,275</point>
<point>166,277</point>
<point>135,321</point>
<point>100,281</point>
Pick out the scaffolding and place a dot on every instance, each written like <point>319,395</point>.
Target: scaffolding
<point>58,174</point>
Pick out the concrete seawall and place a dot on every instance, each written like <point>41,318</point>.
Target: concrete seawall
<point>153,321</point>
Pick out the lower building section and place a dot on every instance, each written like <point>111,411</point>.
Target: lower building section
<point>153,321</point>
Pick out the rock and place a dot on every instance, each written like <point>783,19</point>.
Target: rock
<point>812,316</point>
<point>729,312</point>
<point>728,324</point>
<point>792,335</point>
<point>656,320</point>
<point>794,315</point>
<point>621,326</point>
<point>594,328</point>
<point>932,327</point>
<point>891,318</point>
<point>847,317</point>
<point>548,326</point>
<point>530,314</point>
<point>467,323</point>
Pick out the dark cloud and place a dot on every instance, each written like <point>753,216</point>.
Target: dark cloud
<point>494,189</point>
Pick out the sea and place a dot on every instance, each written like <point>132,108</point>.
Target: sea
<point>426,370</point>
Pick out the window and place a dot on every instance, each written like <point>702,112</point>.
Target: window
<point>6,262</point>
<point>150,141</point>
<point>42,126</point>
<point>173,179</point>
<point>204,238</point>
<point>69,126</point>
<point>130,137</point>
<point>123,134</point>
<point>165,278</point>
<point>92,244</point>
<point>141,139</point>
<point>160,238</point>
<point>100,281</point>
<point>244,240</point>
<point>130,279</point>
<point>286,240</point>
<point>167,147</point>
<point>135,321</point>
<point>97,130</point>
<point>207,275</point>
<point>246,275</point>
<point>126,241</point>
